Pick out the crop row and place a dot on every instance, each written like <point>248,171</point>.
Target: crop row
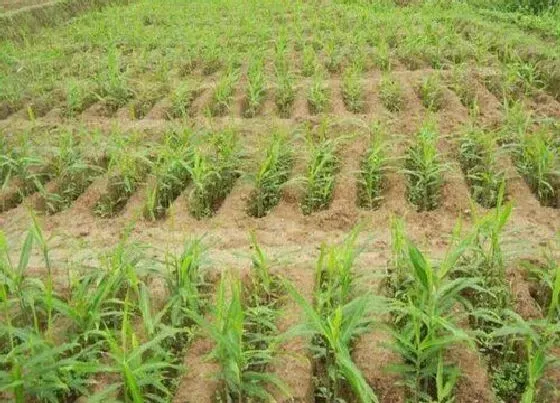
<point>108,337</point>
<point>189,97</point>
<point>83,63</point>
<point>208,165</point>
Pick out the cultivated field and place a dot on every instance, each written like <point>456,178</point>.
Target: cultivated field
<point>243,201</point>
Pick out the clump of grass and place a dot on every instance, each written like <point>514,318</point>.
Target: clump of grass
<point>285,93</point>
<point>320,175</point>
<point>127,167</point>
<point>223,93</point>
<point>182,100</point>
<point>477,155</point>
<point>352,93</point>
<point>391,93</point>
<point>318,96</point>
<point>424,171</point>
<point>431,92</point>
<point>256,87</point>
<point>213,175</point>
<point>372,170</point>
<point>272,173</point>
<point>170,173</point>
<point>211,58</point>
<point>537,160</point>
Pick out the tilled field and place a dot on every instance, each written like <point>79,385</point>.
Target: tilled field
<point>168,200</point>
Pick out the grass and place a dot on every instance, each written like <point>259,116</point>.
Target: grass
<point>424,171</point>
<point>271,175</point>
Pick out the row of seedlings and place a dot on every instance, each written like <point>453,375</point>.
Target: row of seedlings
<point>213,173</point>
<point>423,297</point>
<point>23,171</point>
<point>271,175</point>
<point>323,164</point>
<point>127,168</point>
<point>518,349</point>
<point>477,157</point>
<point>371,177</point>
<point>424,170</point>
<point>170,173</point>
<point>242,328</point>
<point>72,174</point>
<point>338,314</point>
<point>537,158</point>
<point>104,338</point>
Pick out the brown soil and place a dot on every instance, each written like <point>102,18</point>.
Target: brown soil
<point>198,385</point>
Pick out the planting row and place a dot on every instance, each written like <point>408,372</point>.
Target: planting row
<point>108,337</point>
<point>208,165</point>
<point>83,64</point>
<point>219,99</point>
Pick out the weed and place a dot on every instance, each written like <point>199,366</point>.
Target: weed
<point>272,173</point>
